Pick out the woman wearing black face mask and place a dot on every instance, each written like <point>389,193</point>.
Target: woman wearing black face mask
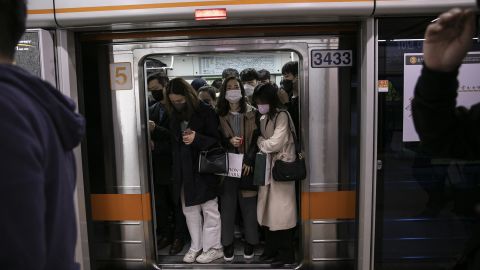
<point>194,128</point>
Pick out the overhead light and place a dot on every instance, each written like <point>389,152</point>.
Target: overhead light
<point>211,14</point>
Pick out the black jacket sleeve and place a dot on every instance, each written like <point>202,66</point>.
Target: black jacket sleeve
<point>210,135</point>
<point>445,131</point>
<point>160,133</point>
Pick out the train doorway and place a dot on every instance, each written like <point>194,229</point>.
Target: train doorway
<point>329,126</point>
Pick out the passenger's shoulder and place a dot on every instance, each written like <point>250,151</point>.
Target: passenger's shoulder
<point>205,109</point>
<point>282,117</point>
<point>12,99</point>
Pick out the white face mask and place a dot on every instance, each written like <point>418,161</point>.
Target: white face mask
<point>248,89</point>
<point>233,96</point>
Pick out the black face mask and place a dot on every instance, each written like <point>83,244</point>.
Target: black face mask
<point>157,95</point>
<point>287,86</point>
<point>179,107</point>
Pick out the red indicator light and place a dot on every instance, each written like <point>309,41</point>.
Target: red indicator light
<point>211,14</point>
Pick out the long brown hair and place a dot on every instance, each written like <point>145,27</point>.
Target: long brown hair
<point>179,86</point>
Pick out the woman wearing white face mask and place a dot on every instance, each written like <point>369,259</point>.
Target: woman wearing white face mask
<point>237,122</point>
<point>276,208</point>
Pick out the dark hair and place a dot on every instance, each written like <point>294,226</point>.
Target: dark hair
<point>217,83</point>
<point>179,86</point>
<point>267,93</point>
<point>223,106</point>
<point>212,91</point>
<point>248,74</point>
<point>290,67</point>
<point>230,72</point>
<point>161,77</point>
<point>198,83</point>
<point>13,14</point>
<point>263,74</point>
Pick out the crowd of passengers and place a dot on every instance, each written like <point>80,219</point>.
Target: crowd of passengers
<point>244,113</point>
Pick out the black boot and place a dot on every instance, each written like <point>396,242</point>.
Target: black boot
<point>286,253</point>
<point>270,250</point>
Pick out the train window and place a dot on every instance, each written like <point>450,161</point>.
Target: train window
<point>424,209</point>
<point>204,73</point>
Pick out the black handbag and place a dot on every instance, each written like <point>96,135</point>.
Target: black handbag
<point>214,161</point>
<point>296,170</point>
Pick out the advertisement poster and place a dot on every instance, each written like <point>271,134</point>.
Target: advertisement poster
<point>468,88</point>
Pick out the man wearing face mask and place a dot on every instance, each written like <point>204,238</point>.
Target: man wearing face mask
<point>162,170</point>
<point>290,86</point>
<point>249,78</point>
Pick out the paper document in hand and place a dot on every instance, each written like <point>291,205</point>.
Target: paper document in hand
<point>235,162</point>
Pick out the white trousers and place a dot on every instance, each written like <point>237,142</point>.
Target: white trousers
<point>205,232</point>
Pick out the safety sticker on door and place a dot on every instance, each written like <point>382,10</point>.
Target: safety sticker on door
<point>331,58</point>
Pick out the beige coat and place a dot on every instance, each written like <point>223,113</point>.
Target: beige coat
<point>276,206</point>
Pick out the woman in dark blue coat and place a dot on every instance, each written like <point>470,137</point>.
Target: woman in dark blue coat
<point>194,128</point>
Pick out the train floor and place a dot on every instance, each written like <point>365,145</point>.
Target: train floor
<point>239,262</point>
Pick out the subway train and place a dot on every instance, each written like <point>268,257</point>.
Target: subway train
<point>366,201</point>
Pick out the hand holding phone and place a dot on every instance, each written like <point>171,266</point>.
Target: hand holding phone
<point>188,136</point>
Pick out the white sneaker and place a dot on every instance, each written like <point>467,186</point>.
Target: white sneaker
<point>210,256</point>
<point>191,256</point>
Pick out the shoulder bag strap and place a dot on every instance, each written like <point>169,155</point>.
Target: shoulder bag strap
<point>298,149</point>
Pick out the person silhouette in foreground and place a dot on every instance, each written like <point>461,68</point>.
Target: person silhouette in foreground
<point>445,130</point>
<point>39,129</point>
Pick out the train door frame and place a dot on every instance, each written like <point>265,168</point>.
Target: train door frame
<point>368,144</point>
<point>123,45</point>
<point>209,47</point>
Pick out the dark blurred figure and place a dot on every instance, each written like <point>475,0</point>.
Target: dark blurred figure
<point>217,83</point>
<point>208,94</point>
<point>433,179</point>
<point>447,131</point>
<point>249,78</point>
<point>230,72</point>
<point>39,130</point>
<point>264,76</point>
<point>198,83</point>
<point>169,232</point>
<point>290,86</point>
